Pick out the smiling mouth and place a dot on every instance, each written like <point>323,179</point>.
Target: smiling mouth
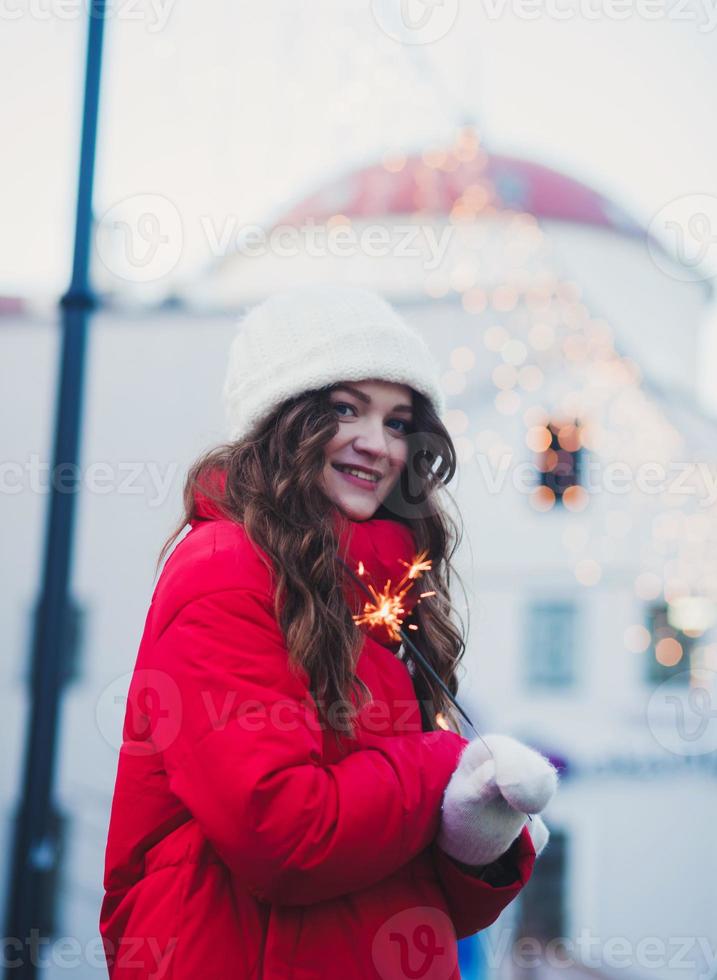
<point>358,474</point>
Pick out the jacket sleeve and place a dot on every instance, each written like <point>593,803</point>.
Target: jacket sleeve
<point>246,762</point>
<point>473,902</point>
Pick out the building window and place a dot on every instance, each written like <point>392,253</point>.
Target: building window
<point>670,649</point>
<point>559,463</point>
<point>550,644</point>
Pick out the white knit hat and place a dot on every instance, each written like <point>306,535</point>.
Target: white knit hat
<point>313,336</point>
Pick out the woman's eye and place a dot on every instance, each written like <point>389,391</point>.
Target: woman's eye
<point>406,425</point>
<point>338,405</point>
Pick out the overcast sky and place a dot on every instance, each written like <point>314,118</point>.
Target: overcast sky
<point>234,110</point>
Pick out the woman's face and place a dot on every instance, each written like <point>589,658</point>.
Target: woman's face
<point>374,420</point>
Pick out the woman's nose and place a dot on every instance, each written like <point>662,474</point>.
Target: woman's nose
<point>372,439</point>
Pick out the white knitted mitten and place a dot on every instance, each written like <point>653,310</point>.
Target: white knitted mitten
<point>488,798</point>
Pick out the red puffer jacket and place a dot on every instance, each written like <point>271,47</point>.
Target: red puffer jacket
<point>244,840</point>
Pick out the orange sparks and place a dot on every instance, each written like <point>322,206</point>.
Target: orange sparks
<point>387,607</point>
<point>416,568</point>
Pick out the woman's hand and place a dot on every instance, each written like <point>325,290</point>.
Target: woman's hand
<point>489,797</point>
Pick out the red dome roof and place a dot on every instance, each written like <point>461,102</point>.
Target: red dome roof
<point>504,182</point>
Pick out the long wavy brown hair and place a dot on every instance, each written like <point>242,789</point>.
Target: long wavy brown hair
<point>272,488</point>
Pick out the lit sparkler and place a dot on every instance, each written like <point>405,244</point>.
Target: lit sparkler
<point>386,607</point>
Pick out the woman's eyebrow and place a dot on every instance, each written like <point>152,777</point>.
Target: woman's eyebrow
<point>354,391</point>
<point>365,398</point>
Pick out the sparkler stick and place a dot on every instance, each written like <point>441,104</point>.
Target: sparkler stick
<point>415,569</point>
<point>398,629</point>
<point>384,609</point>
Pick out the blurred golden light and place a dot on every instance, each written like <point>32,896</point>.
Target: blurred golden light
<point>569,291</point>
<point>575,348</point>
<point>450,164</point>
<point>433,158</point>
<point>693,614</point>
<point>541,336</point>
<point>636,638</point>
<point>504,298</point>
<point>476,196</point>
<point>461,213</point>
<point>538,439</point>
<point>668,652</point>
<point>514,352</point>
<point>548,461</point>
<point>394,164</point>
<point>568,438</point>
<point>675,588</point>
<point>538,297</point>
<point>463,276</point>
<point>575,498</point>
<point>591,435</point>
<point>530,377</point>
<point>466,153</point>
<point>542,499</point>
<point>337,220</point>
<point>535,415</point>
<point>504,376</point>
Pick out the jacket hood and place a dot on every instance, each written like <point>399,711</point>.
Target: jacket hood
<point>378,552</point>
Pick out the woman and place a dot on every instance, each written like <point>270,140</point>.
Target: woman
<point>293,798</point>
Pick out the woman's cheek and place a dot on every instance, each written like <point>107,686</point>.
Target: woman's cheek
<point>395,475</point>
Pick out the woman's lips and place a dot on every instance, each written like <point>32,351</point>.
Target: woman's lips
<point>357,480</point>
